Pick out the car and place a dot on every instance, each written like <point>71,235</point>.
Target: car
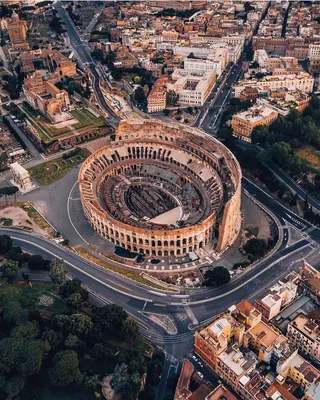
<point>195,358</point>
<point>200,374</point>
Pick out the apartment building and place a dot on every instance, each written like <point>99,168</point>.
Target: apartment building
<point>233,364</point>
<point>271,63</point>
<point>314,51</point>
<point>192,89</point>
<point>201,51</point>
<point>299,370</point>
<point>216,62</point>
<point>243,123</point>
<point>170,36</point>
<point>235,343</point>
<point>310,281</point>
<point>283,101</point>
<point>305,334</point>
<point>278,297</point>
<point>214,339</point>
<point>302,81</point>
<point>313,393</point>
<point>157,99</point>
<point>264,340</point>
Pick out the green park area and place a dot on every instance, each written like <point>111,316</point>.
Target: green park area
<point>55,344</point>
<point>47,131</point>
<point>56,169</point>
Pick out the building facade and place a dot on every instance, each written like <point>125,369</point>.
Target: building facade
<point>305,334</point>
<point>243,123</point>
<point>184,168</point>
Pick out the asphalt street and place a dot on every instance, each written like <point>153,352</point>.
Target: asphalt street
<point>190,308</point>
<point>214,107</point>
<point>86,60</point>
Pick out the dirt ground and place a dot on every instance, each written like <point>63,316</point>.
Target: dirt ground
<point>107,390</point>
<point>98,144</point>
<point>255,217</point>
<point>20,218</point>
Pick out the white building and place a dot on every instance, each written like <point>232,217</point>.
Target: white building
<point>314,51</point>
<point>234,51</point>
<point>302,81</point>
<point>216,61</point>
<point>192,89</point>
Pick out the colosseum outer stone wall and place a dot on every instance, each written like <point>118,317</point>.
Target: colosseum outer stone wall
<point>163,190</point>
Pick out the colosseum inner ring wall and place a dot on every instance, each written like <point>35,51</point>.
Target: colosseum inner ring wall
<point>163,189</point>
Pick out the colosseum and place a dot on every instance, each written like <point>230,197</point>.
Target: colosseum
<point>163,190</point>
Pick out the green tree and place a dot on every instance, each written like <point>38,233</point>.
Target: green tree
<point>37,262</point>
<point>256,247</point>
<point>71,287</point>
<point>139,95</point>
<point>172,98</point>
<point>65,368</point>
<point>10,349</point>
<point>98,351</point>
<point>97,54</point>
<point>217,276</point>
<point>129,329</point>
<point>28,330</point>
<point>58,271</point>
<point>9,270</point>
<point>11,312</point>
<point>73,342</point>
<point>53,337</point>
<point>77,324</point>
<point>30,358</point>
<point>111,317</point>
<point>137,80</point>
<point>75,300</point>
<point>90,382</point>
<point>5,243</point>
<point>30,301</point>
<point>12,385</point>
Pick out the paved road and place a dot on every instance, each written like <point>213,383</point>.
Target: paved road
<point>214,108</point>
<point>86,59</point>
<point>302,193</point>
<point>198,305</point>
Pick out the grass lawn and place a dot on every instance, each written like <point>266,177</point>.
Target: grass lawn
<point>47,131</point>
<point>311,155</point>
<point>54,170</point>
<point>86,118</point>
<point>129,77</point>
<point>17,290</point>
<point>252,231</point>
<point>6,221</point>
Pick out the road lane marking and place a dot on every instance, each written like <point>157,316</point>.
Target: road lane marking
<point>84,272</point>
<point>244,283</point>
<point>68,211</point>
<point>157,293</point>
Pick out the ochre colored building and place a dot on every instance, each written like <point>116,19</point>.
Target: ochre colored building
<point>163,190</point>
